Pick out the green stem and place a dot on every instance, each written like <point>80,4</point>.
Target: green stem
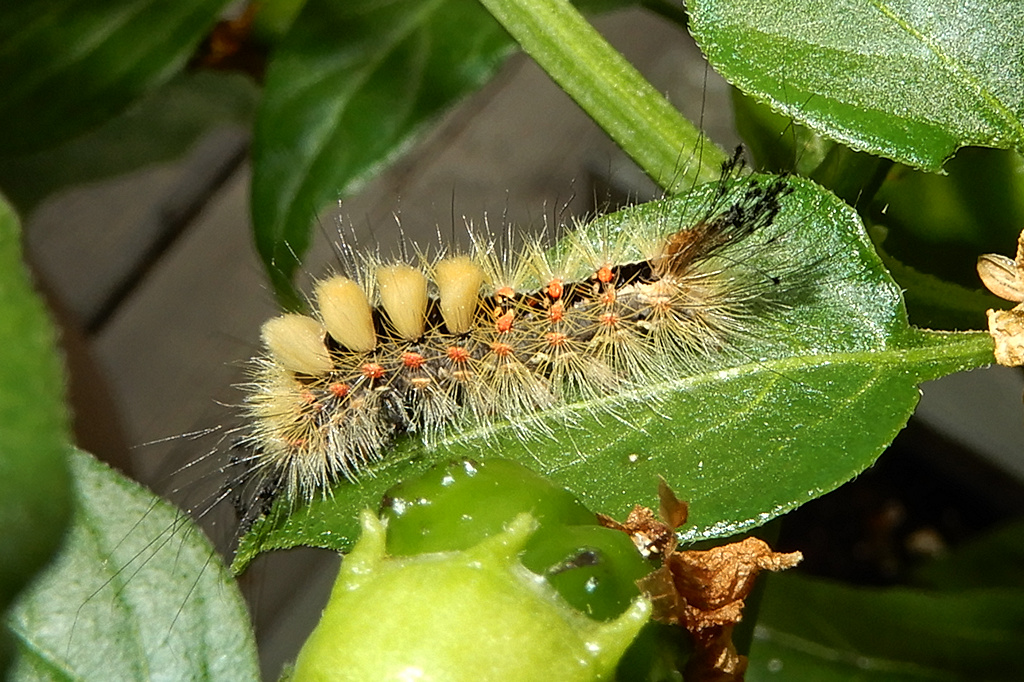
<point>613,93</point>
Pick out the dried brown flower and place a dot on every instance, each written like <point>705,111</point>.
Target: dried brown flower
<point>1004,277</point>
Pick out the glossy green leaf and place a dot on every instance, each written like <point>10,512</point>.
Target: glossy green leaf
<point>806,400</point>
<point>68,65</point>
<point>137,593</point>
<point>161,126</point>
<point>347,90</point>
<point>909,80</point>
<point>34,422</point>
<point>776,143</point>
<point>779,145</point>
<point>813,630</point>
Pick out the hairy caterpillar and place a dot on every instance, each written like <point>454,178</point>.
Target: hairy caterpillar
<point>464,339</point>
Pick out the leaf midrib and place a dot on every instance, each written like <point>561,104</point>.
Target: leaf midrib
<point>877,359</point>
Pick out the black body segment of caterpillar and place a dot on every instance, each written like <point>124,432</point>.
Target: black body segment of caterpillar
<point>467,339</point>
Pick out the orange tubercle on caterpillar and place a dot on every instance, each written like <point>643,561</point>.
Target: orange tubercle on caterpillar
<point>556,339</point>
<point>412,360</point>
<point>501,350</point>
<point>505,321</point>
<point>372,370</point>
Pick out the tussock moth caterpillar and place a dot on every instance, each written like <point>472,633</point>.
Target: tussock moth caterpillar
<point>464,339</point>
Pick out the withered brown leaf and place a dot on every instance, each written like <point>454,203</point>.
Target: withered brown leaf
<point>653,536</point>
<point>702,591</point>
<point>671,509</point>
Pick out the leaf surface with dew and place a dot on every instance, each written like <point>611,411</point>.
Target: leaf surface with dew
<point>911,81</point>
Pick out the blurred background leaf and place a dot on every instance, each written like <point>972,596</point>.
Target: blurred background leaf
<point>34,424</point>
<point>967,624</point>
<point>69,65</point>
<point>160,126</point>
<point>939,224</point>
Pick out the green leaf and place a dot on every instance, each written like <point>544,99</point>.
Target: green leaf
<point>346,92</point>
<point>34,423</point>
<point>160,126</point>
<point>68,65</point>
<point>781,146</point>
<point>641,121</point>
<point>776,143</point>
<point>137,593</point>
<point>940,224</point>
<point>811,629</point>
<point>908,80</point>
<point>809,397</point>
<point>969,627</point>
<point>936,304</point>
<point>274,18</point>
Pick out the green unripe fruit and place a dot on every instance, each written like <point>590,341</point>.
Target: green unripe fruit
<point>472,615</point>
<point>456,506</point>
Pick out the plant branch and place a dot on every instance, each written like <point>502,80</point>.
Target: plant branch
<point>635,115</point>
